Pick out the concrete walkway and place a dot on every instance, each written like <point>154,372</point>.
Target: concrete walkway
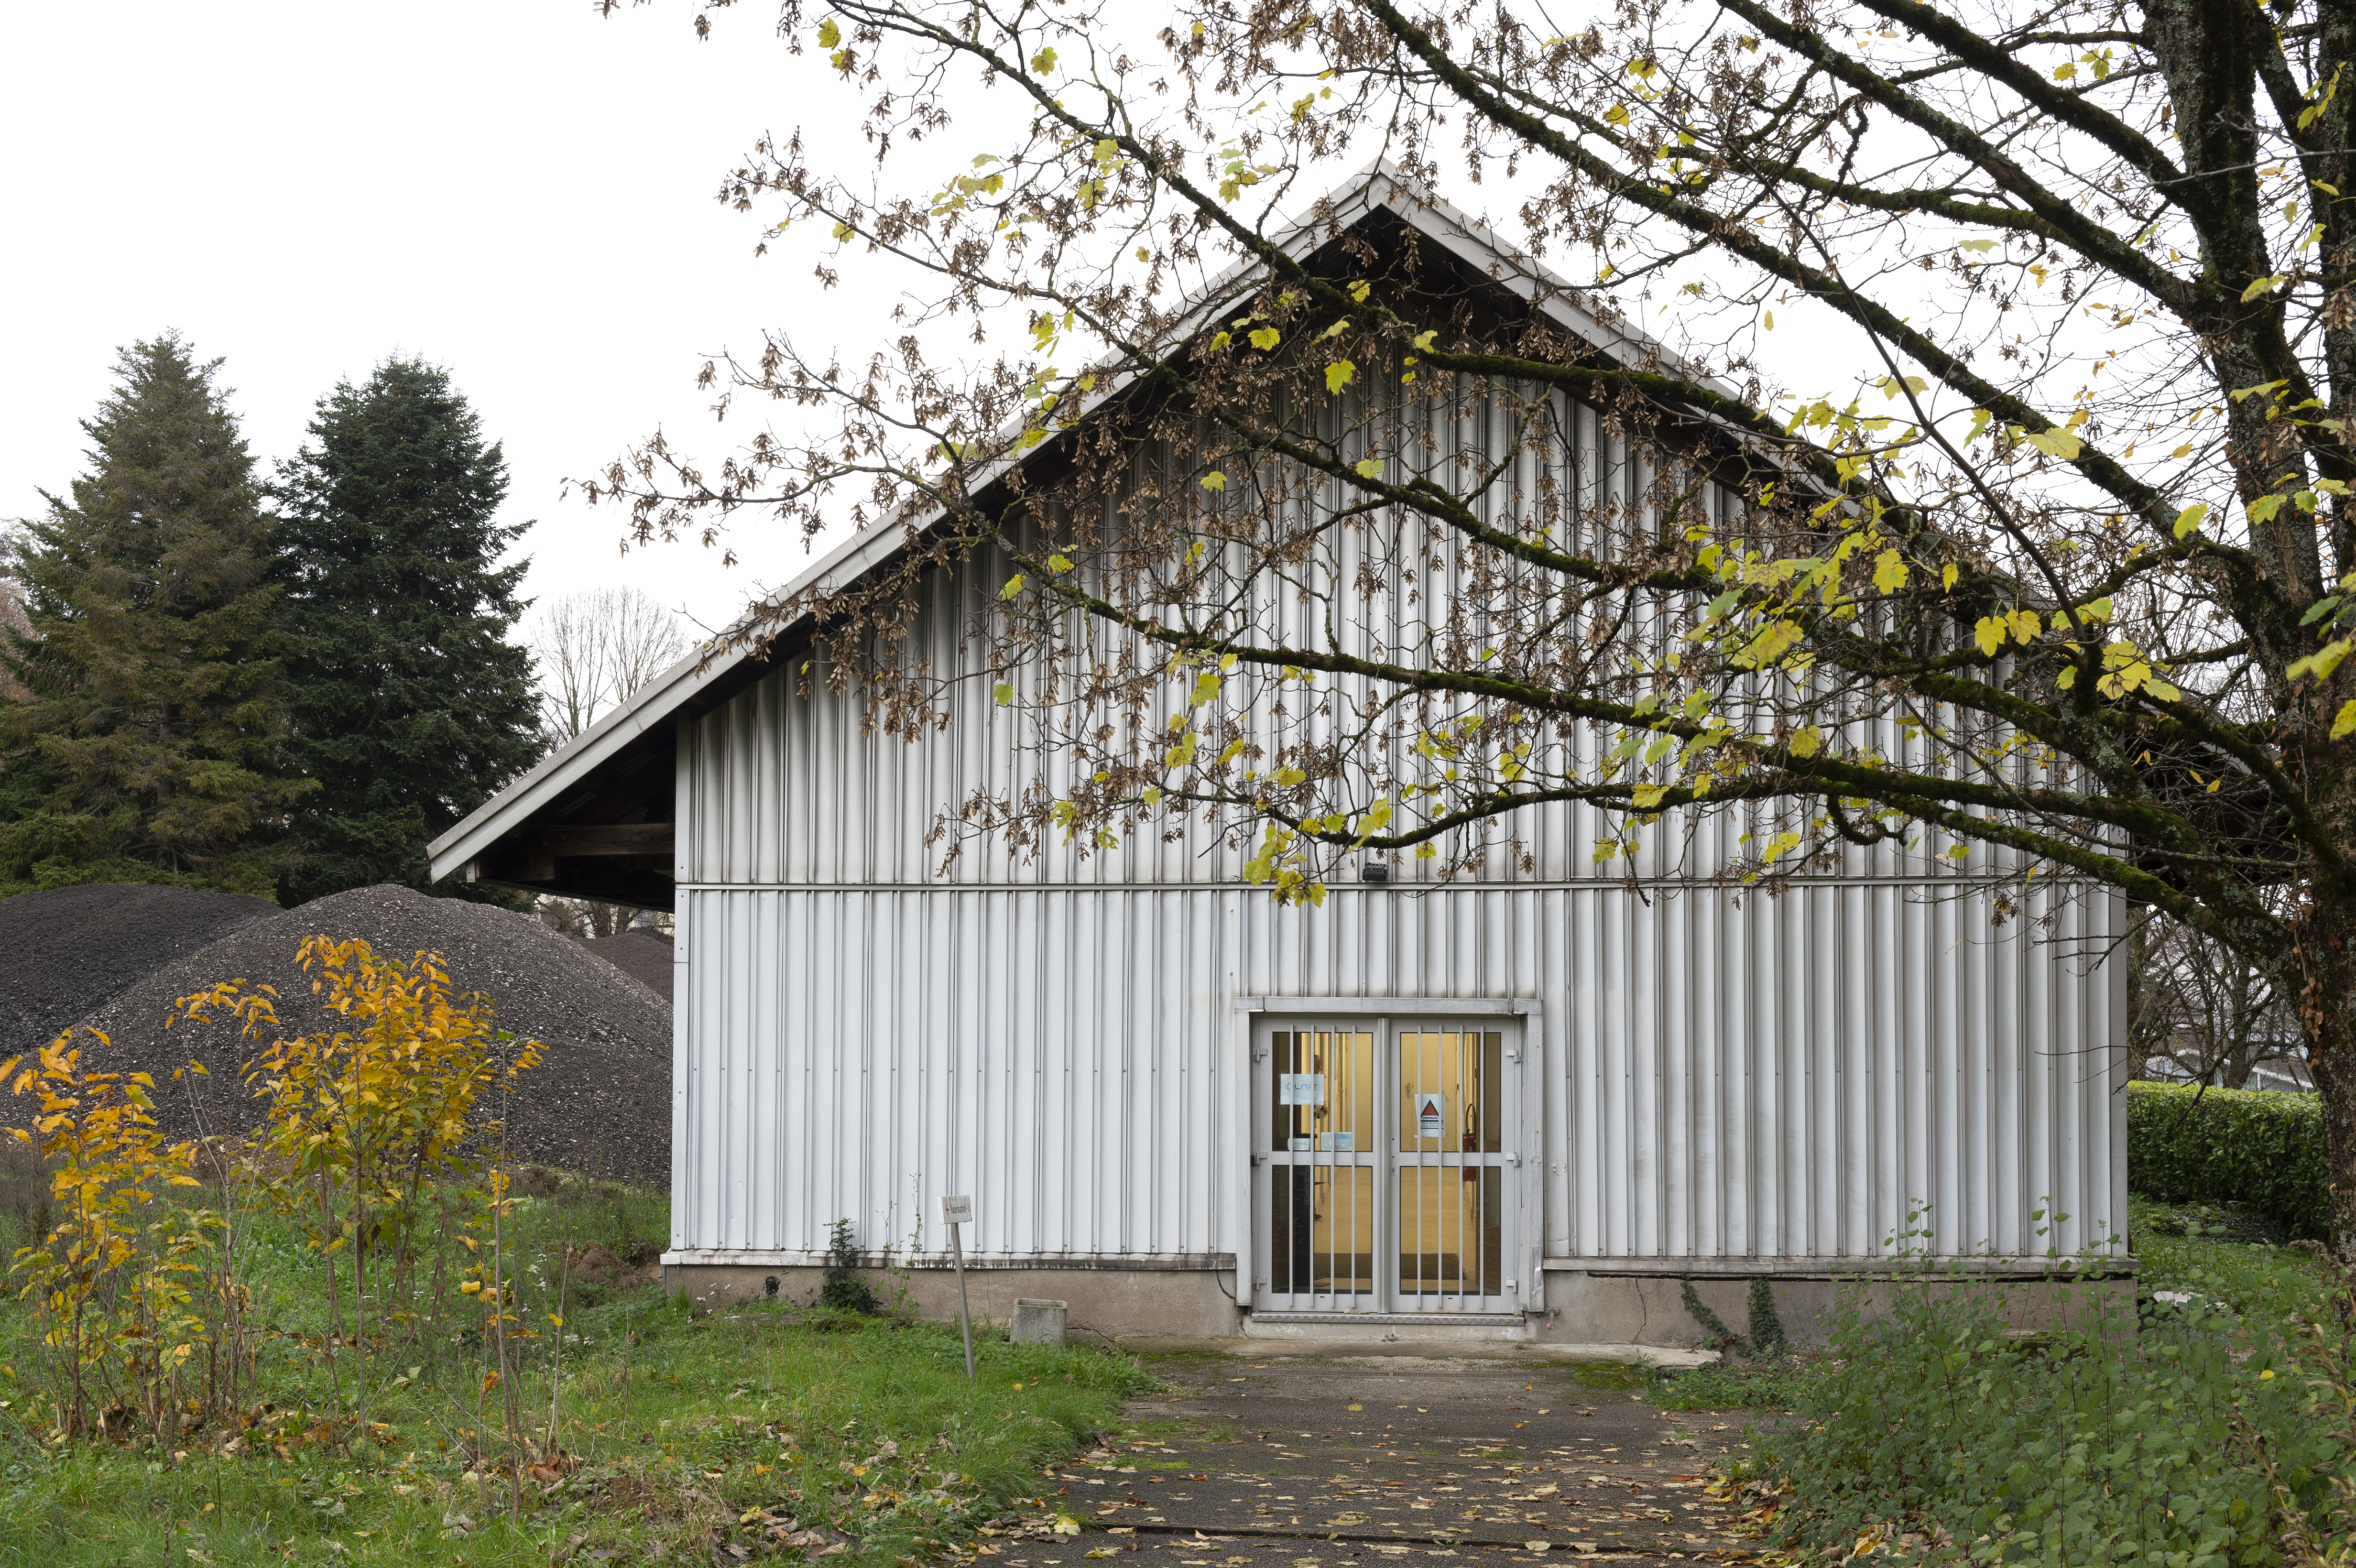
<point>1338,1457</point>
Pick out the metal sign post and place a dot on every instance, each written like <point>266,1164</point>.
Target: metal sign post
<point>958,1210</point>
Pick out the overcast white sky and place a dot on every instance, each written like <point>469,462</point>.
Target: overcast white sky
<point>516,189</point>
<point>513,188</point>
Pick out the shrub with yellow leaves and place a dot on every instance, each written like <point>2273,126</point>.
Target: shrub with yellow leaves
<point>115,1278</point>
<point>372,1123</point>
<point>369,1125</point>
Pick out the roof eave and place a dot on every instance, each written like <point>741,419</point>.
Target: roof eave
<point>569,767</point>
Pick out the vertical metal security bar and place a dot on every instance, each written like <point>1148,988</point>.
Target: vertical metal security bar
<point>1489,1190</point>
<point>1450,1170</point>
<point>1321,1177</point>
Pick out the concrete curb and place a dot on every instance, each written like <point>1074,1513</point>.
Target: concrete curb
<point>1529,1351</point>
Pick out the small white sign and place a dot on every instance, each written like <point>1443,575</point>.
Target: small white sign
<point>1341,1143</point>
<point>1301,1088</point>
<point>958,1210</point>
<point>1431,1115</point>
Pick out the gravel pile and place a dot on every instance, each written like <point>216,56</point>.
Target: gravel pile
<point>65,952</point>
<point>599,1101</point>
<point>644,956</point>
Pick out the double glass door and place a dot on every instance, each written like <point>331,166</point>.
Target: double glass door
<point>1383,1156</point>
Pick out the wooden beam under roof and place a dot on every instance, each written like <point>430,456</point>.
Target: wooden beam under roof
<point>580,838</point>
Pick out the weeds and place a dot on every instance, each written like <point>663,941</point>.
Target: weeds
<point>1728,1385</point>
<point>1936,1433</point>
<point>2209,1418</point>
<point>846,1289</point>
<point>2228,1254</point>
<point>2313,1534</point>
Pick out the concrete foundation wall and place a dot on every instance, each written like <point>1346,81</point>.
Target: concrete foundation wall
<point>1118,1303</point>
<point>1614,1309</point>
<point>1582,1308</point>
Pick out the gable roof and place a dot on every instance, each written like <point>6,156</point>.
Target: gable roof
<point>706,678</point>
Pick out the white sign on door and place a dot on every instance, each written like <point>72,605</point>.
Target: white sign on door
<point>1431,1115</point>
<point>958,1210</point>
<point>1301,1088</point>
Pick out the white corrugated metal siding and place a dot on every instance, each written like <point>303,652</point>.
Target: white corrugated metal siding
<point>1722,1075</point>
<point>771,768</point>
<point>1780,1080</point>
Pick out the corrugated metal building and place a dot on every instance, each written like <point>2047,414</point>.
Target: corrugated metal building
<point>1527,1103</point>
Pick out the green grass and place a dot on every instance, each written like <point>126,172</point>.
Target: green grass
<point>683,1433</point>
<point>1730,1384</point>
<point>2227,1252</point>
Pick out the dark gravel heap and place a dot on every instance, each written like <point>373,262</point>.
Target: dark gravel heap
<point>644,956</point>
<point>66,952</point>
<point>599,1101</point>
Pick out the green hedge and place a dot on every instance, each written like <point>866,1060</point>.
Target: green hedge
<point>2230,1146</point>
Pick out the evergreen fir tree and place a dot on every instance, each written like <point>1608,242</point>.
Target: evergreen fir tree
<point>409,705</point>
<point>142,744</point>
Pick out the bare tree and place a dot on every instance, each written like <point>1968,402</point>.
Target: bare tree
<point>14,622</point>
<point>642,640</point>
<point>594,648</point>
<point>584,918</point>
<point>2205,1010</point>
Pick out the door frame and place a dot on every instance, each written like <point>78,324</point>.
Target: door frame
<point>1522,1022</point>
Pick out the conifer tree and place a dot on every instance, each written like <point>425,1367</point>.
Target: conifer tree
<point>143,745</point>
<point>409,704</point>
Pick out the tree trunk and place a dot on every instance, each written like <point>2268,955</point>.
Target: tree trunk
<point>2139,1053</point>
<point>2325,980</point>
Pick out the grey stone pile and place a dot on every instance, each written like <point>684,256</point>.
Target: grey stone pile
<point>598,1104</point>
